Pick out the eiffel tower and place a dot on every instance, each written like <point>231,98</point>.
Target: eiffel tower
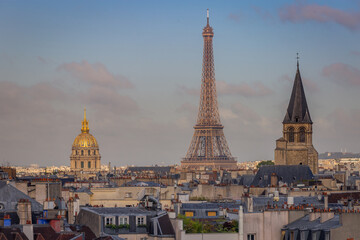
<point>208,148</point>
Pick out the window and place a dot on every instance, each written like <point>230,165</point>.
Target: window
<point>89,164</point>
<point>75,164</point>
<point>251,236</point>
<point>302,137</point>
<point>82,152</point>
<point>88,152</point>
<point>189,214</point>
<point>128,195</point>
<point>291,134</point>
<point>109,220</point>
<point>94,152</point>
<point>82,164</point>
<point>140,221</point>
<point>211,214</point>
<point>123,220</point>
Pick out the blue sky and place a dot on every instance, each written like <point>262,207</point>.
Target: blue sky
<point>136,66</point>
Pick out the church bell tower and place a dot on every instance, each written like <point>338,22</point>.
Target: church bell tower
<point>296,147</point>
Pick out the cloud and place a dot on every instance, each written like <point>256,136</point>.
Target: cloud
<point>182,89</point>
<point>263,13</point>
<point>339,129</point>
<point>342,74</point>
<point>96,73</point>
<point>187,108</point>
<point>309,85</point>
<point>248,115</point>
<point>300,12</point>
<point>236,17</point>
<point>256,89</point>
<point>109,100</point>
<point>42,60</point>
<point>356,53</point>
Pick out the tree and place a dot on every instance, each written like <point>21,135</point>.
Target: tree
<point>265,163</point>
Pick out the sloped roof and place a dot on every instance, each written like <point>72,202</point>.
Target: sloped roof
<point>305,224</point>
<point>286,173</point>
<point>9,197</point>
<point>209,205</point>
<point>11,233</point>
<point>297,111</point>
<point>136,183</point>
<point>89,234</point>
<point>134,211</point>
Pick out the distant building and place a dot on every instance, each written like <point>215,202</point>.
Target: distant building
<point>85,154</point>
<point>10,172</point>
<point>295,147</point>
<point>276,176</point>
<point>130,222</point>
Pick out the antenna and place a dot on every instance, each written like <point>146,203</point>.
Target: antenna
<point>297,59</point>
<point>207,15</point>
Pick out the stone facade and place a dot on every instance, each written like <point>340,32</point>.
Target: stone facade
<point>295,147</point>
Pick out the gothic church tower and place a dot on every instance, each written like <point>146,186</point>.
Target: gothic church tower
<point>295,147</point>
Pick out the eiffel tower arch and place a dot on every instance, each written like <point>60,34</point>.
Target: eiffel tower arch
<point>208,147</point>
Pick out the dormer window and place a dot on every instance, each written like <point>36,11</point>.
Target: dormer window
<point>123,220</point>
<point>109,220</point>
<point>140,220</point>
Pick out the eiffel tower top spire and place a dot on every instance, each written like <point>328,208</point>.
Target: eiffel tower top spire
<point>208,109</point>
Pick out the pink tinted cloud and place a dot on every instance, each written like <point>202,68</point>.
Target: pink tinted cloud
<point>300,12</point>
<point>182,89</point>
<point>256,89</point>
<point>356,53</point>
<point>236,17</point>
<point>342,74</point>
<point>308,84</point>
<point>110,100</point>
<point>96,73</point>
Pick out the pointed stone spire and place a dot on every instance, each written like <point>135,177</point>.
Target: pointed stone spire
<point>297,111</point>
<point>85,124</point>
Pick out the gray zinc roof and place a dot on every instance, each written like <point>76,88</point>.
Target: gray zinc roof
<point>286,173</point>
<point>305,224</point>
<point>9,197</point>
<point>119,211</point>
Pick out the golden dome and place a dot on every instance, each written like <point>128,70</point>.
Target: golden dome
<point>85,139</point>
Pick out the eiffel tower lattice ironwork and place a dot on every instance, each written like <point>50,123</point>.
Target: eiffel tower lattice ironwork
<point>208,146</point>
